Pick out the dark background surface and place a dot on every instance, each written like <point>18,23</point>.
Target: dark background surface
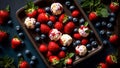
<point>5,49</point>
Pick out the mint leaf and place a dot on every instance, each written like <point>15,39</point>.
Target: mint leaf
<point>70,55</point>
<point>86,24</point>
<point>104,12</point>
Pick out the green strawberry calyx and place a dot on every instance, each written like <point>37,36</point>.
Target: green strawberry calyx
<point>115,3</point>
<point>114,58</point>
<point>55,61</point>
<point>65,18</point>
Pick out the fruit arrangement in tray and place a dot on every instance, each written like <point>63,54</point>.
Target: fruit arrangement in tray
<point>59,31</point>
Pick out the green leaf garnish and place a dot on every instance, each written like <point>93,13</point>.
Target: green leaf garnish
<point>86,24</point>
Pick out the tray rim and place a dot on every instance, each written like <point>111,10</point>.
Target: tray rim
<point>36,48</point>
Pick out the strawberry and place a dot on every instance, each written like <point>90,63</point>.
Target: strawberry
<point>54,60</point>
<point>4,14</point>
<point>63,18</point>
<point>49,54</point>
<point>52,18</point>
<point>43,48</point>
<point>75,13</point>
<point>76,36</point>
<point>53,47</point>
<point>111,59</point>
<point>114,6</point>
<point>84,41</point>
<point>44,28</point>
<point>93,16</point>
<point>61,54</point>
<point>68,61</point>
<point>31,10</point>
<point>24,64</point>
<point>68,28</point>
<point>15,42</point>
<point>113,38</point>
<point>3,35</point>
<point>59,26</point>
<point>102,65</point>
<point>41,10</point>
<point>42,18</point>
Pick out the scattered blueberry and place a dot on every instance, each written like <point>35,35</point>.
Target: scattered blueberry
<point>9,22</point>
<point>37,39</point>
<point>47,9</point>
<point>27,52</point>
<point>70,18</point>
<point>89,47</point>
<point>82,20</point>
<point>108,33</point>
<point>102,32</point>
<point>19,55</point>
<point>22,43</point>
<point>37,24</point>
<point>77,42</point>
<point>67,3</point>
<point>112,14</point>
<point>75,30</point>
<point>21,35</point>
<point>105,42</point>
<point>94,44</point>
<point>18,28</point>
<point>37,30</point>
<point>75,20</point>
<point>109,25</point>
<point>50,23</point>
<point>97,25</point>
<point>72,7</point>
<point>32,63</point>
<point>34,58</point>
<point>43,36</point>
<point>111,19</point>
<point>74,44</point>
<point>103,23</point>
<point>63,48</point>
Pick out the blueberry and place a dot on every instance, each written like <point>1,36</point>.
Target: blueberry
<point>9,22</point>
<point>63,48</point>
<point>47,9</point>
<point>103,23</point>
<point>21,35</point>
<point>19,55</point>
<point>89,47</point>
<point>43,36</point>
<point>112,14</point>
<point>77,42</point>
<point>27,52</point>
<point>102,32</point>
<point>70,18</point>
<point>22,43</point>
<point>32,63</point>
<point>108,33</point>
<point>37,24</point>
<point>94,44</point>
<point>37,30</point>
<point>74,44</point>
<point>37,39</point>
<point>18,28</point>
<point>34,58</point>
<point>109,25</point>
<point>105,42</point>
<point>111,19</point>
<point>97,25</point>
<point>67,3</point>
<point>75,20</point>
<point>50,23</point>
<point>75,30</point>
<point>72,7</point>
<point>82,20</point>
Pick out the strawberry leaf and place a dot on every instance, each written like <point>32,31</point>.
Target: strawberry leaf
<point>7,8</point>
<point>86,24</point>
<point>70,55</point>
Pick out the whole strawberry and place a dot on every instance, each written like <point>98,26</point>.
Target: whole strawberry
<point>84,41</point>
<point>3,35</point>
<point>53,47</point>
<point>113,38</point>
<point>68,61</point>
<point>63,18</point>
<point>43,48</point>
<point>75,13</point>
<point>59,26</point>
<point>114,6</point>
<point>31,10</point>
<point>42,18</point>
<point>24,64</point>
<point>52,18</point>
<point>111,59</point>
<point>102,65</point>
<point>49,54</point>
<point>44,28</point>
<point>4,14</point>
<point>68,28</point>
<point>61,54</point>
<point>54,60</point>
<point>93,16</point>
<point>41,10</point>
<point>77,36</point>
<point>15,42</point>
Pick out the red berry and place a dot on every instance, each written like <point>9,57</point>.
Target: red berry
<point>52,18</point>
<point>84,41</point>
<point>77,36</point>
<point>102,65</point>
<point>44,28</point>
<point>113,38</point>
<point>15,42</point>
<point>49,54</point>
<point>41,10</point>
<point>75,13</point>
<point>3,35</point>
<point>32,13</point>
<point>61,54</point>
<point>54,60</point>
<point>68,28</point>
<point>24,64</point>
<point>59,26</point>
<point>68,61</point>
<point>111,59</point>
<point>93,16</point>
<point>114,6</point>
<point>42,18</point>
<point>63,18</point>
<point>43,48</point>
